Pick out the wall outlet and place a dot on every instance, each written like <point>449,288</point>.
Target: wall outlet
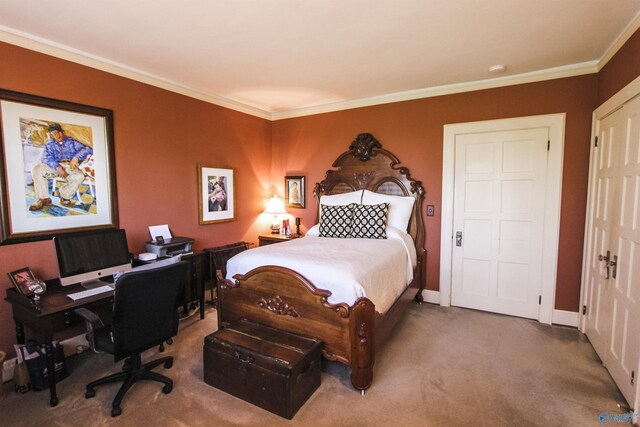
<point>430,210</point>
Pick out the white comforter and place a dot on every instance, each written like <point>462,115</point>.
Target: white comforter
<point>350,268</point>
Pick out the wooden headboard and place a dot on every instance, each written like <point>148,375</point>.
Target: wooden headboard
<point>369,166</point>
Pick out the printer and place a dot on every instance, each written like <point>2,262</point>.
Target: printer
<point>169,247</point>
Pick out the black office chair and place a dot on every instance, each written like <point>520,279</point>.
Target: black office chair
<point>144,316</point>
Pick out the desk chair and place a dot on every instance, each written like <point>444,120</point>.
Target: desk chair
<point>144,316</point>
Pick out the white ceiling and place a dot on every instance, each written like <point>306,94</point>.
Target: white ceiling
<point>282,58</point>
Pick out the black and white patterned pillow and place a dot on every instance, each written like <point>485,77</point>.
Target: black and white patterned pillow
<point>336,220</point>
<point>370,221</point>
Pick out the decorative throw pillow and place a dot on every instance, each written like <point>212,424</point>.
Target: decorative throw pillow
<point>400,207</point>
<point>336,220</point>
<point>370,221</point>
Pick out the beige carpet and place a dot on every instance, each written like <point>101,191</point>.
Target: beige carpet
<point>441,367</point>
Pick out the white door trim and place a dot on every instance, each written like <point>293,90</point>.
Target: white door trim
<point>555,123</point>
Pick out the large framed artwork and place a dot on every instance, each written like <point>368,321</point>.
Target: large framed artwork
<point>57,172</point>
<point>294,191</point>
<point>216,199</point>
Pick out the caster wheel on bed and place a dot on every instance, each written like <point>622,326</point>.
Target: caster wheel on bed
<point>361,392</point>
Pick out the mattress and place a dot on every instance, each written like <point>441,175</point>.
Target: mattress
<point>350,268</point>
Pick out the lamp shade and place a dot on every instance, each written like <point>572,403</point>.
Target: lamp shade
<point>275,206</point>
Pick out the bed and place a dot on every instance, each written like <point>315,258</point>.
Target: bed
<point>284,298</point>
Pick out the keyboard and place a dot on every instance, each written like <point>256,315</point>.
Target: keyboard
<point>90,292</point>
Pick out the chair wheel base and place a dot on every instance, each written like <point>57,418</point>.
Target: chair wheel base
<point>89,394</point>
<point>167,389</point>
<point>115,411</point>
<point>168,364</point>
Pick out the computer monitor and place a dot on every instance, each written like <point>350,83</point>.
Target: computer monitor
<point>86,257</point>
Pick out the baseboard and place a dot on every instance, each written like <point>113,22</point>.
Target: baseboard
<point>73,345</point>
<point>566,318</point>
<point>432,297</point>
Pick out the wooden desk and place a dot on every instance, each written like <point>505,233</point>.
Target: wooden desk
<point>54,316</point>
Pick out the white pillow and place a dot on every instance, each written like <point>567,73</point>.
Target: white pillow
<point>340,199</point>
<point>400,207</point>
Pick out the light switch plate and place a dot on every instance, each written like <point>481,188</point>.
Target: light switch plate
<point>430,210</point>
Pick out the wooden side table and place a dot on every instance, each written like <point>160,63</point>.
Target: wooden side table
<point>269,239</point>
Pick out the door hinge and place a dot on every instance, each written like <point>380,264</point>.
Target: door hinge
<point>596,141</point>
<point>539,299</point>
<point>584,309</point>
<point>548,145</point>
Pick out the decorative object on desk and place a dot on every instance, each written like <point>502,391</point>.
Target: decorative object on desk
<point>45,193</point>
<point>294,193</point>
<point>298,226</point>
<point>216,199</point>
<point>37,287</point>
<point>21,279</point>
<point>275,208</point>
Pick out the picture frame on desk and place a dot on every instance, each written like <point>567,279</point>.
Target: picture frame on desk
<point>44,193</point>
<point>20,279</point>
<point>216,195</point>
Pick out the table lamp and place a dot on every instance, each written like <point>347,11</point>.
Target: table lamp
<point>275,207</point>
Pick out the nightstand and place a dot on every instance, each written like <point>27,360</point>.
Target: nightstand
<point>269,239</point>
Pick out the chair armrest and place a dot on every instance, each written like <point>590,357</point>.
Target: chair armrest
<point>92,322</point>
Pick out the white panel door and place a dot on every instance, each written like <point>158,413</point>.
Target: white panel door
<point>623,351</point>
<point>498,219</point>
<point>598,315</point>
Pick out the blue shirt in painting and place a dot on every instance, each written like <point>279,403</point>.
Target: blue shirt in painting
<point>69,148</point>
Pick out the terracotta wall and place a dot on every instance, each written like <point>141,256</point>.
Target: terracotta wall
<point>623,68</point>
<point>159,138</point>
<point>414,132</point>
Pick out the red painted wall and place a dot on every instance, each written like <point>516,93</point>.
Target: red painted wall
<point>623,68</point>
<point>413,131</point>
<point>159,137</point>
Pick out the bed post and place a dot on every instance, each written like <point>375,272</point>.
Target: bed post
<point>361,330</point>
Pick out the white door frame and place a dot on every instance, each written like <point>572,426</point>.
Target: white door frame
<point>555,123</point>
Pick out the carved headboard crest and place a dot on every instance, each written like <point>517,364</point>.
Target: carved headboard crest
<point>363,146</point>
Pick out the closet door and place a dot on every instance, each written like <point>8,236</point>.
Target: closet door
<point>613,318</point>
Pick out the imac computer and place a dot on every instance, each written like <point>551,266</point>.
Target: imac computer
<point>88,257</point>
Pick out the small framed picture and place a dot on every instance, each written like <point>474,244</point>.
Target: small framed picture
<point>21,279</point>
<point>216,198</point>
<point>294,191</point>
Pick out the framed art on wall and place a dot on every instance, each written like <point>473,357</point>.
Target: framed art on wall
<point>57,172</point>
<point>216,200</point>
<point>294,191</point>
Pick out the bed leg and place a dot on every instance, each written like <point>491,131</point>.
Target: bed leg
<point>362,343</point>
<point>362,393</point>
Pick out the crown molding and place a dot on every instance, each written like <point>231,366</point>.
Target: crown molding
<point>620,41</point>
<point>61,51</point>
<point>535,76</point>
<point>48,47</point>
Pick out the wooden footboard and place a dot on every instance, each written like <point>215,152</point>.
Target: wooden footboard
<point>284,299</point>
<point>281,298</point>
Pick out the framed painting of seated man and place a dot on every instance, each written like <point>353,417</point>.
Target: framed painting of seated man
<point>58,171</point>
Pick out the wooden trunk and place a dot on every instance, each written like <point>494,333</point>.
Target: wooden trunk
<point>275,370</point>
